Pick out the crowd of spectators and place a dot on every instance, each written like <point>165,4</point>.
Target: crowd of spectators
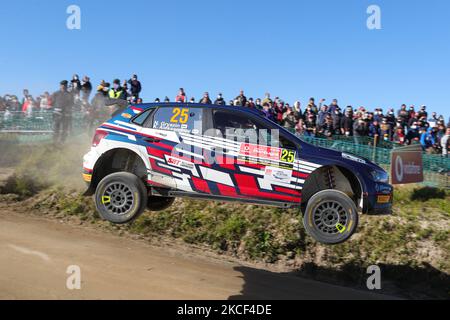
<point>405,126</point>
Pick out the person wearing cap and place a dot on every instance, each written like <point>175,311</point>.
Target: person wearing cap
<point>135,86</point>
<point>117,91</point>
<point>347,122</point>
<point>220,101</point>
<point>86,88</point>
<point>250,103</point>
<point>267,99</point>
<point>98,112</point>
<point>62,113</point>
<point>75,84</point>
<point>337,120</point>
<point>205,99</point>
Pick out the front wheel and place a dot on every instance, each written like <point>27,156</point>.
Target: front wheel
<point>331,217</point>
<point>121,197</point>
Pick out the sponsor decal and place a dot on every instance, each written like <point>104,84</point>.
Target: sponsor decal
<point>266,155</point>
<point>341,228</point>
<point>353,158</point>
<point>126,115</point>
<point>384,199</point>
<point>278,174</point>
<point>179,163</point>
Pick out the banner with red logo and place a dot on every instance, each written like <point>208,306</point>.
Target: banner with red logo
<point>407,165</point>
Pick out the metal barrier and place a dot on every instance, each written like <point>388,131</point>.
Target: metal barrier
<point>436,168</point>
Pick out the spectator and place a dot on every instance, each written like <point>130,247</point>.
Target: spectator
<point>327,128</point>
<point>399,135</point>
<point>337,120</point>
<point>297,110</point>
<point>289,120</point>
<point>250,103</point>
<point>312,105</point>
<point>166,99</point>
<point>347,122</point>
<point>423,112</point>
<point>267,111</point>
<point>181,97</point>
<point>241,99</point>
<point>135,86</point>
<point>374,129</point>
<point>428,140</point>
<point>390,117</point>
<point>386,130</point>
<point>300,127</point>
<point>28,105</point>
<point>322,114</point>
<point>445,143</point>
<point>360,129</point>
<point>220,101</point>
<point>258,104</point>
<point>267,99</point>
<point>205,99</point>
<point>75,85</point>
<point>432,122</point>
<point>86,88</point>
<point>117,91</point>
<point>333,106</point>
<point>310,124</point>
<point>46,102</point>
<point>378,116</point>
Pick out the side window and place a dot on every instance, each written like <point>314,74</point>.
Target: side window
<point>244,128</point>
<point>140,119</point>
<point>180,119</point>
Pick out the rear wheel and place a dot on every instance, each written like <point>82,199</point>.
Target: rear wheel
<point>121,197</point>
<point>331,217</point>
<point>159,203</point>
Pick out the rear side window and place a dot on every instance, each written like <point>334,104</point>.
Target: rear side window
<point>180,119</point>
<point>140,119</point>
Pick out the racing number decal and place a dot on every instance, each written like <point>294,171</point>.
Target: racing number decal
<point>180,116</point>
<point>288,156</point>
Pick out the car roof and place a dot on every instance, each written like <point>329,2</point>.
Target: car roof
<point>197,105</point>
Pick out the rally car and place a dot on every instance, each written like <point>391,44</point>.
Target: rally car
<point>150,154</point>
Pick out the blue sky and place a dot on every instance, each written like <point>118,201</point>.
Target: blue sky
<point>294,49</point>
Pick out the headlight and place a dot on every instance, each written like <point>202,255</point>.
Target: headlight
<point>380,176</point>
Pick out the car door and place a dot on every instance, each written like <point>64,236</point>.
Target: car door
<point>254,158</point>
<point>175,155</point>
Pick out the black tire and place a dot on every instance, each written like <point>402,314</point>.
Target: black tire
<point>121,197</point>
<point>159,203</point>
<point>331,217</point>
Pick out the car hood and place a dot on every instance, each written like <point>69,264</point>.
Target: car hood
<point>338,156</point>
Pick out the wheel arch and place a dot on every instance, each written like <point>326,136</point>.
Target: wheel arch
<point>335,176</point>
<point>116,160</point>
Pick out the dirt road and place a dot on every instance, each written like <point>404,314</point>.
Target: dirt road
<point>35,254</point>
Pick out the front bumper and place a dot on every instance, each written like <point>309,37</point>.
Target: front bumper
<point>380,202</point>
